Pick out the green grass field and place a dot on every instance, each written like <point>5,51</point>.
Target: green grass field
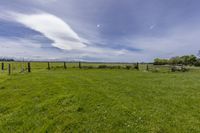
<point>100,100</point>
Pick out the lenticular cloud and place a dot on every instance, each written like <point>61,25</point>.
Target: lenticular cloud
<point>53,28</point>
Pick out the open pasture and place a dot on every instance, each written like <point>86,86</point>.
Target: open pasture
<point>99,100</point>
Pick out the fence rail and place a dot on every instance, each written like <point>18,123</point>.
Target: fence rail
<point>28,67</point>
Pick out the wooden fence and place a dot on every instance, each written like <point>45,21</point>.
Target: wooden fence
<point>28,67</point>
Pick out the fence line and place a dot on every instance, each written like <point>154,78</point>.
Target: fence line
<point>23,67</point>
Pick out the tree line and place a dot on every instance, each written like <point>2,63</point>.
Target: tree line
<point>179,60</point>
<point>6,59</point>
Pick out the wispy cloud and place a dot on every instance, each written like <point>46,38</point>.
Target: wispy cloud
<point>31,50</point>
<point>100,30</point>
<point>178,41</point>
<point>52,27</point>
<point>63,37</point>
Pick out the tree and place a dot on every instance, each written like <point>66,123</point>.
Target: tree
<point>183,60</point>
<point>158,61</point>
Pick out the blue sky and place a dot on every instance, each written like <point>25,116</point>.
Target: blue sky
<point>99,30</point>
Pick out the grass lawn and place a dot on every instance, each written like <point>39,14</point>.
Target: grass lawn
<point>95,100</point>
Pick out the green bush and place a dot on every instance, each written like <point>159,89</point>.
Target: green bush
<point>109,67</point>
<point>87,67</point>
<point>128,67</point>
<point>102,66</point>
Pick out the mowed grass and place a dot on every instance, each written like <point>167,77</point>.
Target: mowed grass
<point>75,100</point>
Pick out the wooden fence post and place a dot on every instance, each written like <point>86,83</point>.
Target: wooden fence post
<point>147,67</point>
<point>65,67</point>
<point>137,66</point>
<point>2,66</point>
<point>80,65</point>
<point>9,69</point>
<point>49,66</point>
<point>29,67</point>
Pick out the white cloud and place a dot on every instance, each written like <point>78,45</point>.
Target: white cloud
<point>53,28</point>
<point>179,41</point>
<point>30,50</point>
<point>64,38</point>
<point>17,47</point>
